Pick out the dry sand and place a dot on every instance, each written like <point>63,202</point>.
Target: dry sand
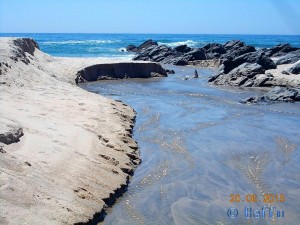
<point>76,153</point>
<point>282,79</point>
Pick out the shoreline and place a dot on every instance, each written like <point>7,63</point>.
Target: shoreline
<point>76,154</point>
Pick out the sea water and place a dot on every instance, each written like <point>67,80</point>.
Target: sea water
<point>113,45</point>
<point>204,155</point>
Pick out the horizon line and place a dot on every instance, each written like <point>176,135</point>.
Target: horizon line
<point>256,34</point>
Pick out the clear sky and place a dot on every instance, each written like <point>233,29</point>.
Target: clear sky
<point>152,16</point>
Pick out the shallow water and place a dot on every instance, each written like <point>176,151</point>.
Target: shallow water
<point>199,145</point>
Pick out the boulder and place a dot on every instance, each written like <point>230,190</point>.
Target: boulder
<point>147,44</point>
<point>195,54</point>
<point>156,53</point>
<point>170,71</point>
<point>131,48</point>
<point>234,44</point>
<point>233,53</point>
<point>283,94</point>
<point>10,131</point>
<point>277,94</point>
<point>182,48</point>
<point>295,69</point>
<point>261,80</point>
<point>289,58</point>
<point>243,75</point>
<point>214,48</point>
<point>279,50</point>
<point>253,57</point>
<point>248,69</point>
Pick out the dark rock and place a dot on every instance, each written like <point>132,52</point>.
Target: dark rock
<point>160,53</point>
<point>277,94</point>
<point>147,44</point>
<point>131,48</point>
<point>10,132</point>
<point>179,61</point>
<point>26,45</point>
<point>262,80</point>
<point>196,54</point>
<point>283,94</point>
<point>214,77</point>
<point>234,53</point>
<point>234,44</point>
<point>248,69</point>
<point>121,71</point>
<point>243,75</point>
<point>279,50</point>
<point>212,55</point>
<point>182,48</point>
<point>156,53</point>
<point>214,48</point>
<point>252,57</point>
<point>289,58</point>
<point>285,72</point>
<point>250,100</point>
<point>295,69</point>
<point>170,71</point>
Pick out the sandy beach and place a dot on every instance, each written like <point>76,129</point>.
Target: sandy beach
<point>75,153</point>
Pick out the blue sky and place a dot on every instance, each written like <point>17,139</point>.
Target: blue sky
<point>155,16</point>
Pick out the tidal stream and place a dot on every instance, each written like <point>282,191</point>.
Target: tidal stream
<point>199,145</point>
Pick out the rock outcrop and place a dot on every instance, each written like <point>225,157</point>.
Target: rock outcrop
<point>239,64</point>
<point>279,50</point>
<point>295,69</point>
<point>120,71</point>
<point>277,94</point>
<point>246,75</point>
<point>26,45</point>
<point>253,57</point>
<point>289,58</point>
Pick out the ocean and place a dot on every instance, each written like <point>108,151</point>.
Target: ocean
<point>111,45</point>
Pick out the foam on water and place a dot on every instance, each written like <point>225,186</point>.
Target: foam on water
<point>189,43</point>
<point>82,42</point>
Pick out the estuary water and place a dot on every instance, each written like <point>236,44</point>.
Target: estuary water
<point>199,146</point>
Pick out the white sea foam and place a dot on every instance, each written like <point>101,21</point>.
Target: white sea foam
<point>81,42</point>
<point>174,44</point>
<point>122,50</point>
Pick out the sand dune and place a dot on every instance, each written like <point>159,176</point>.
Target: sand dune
<point>75,153</point>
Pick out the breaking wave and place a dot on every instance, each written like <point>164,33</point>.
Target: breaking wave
<point>87,42</point>
<point>189,43</point>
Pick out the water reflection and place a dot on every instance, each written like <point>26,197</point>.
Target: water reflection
<point>199,145</point>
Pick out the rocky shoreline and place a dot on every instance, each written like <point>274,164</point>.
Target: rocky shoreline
<point>238,64</point>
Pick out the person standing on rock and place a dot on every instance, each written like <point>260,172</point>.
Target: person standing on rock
<point>196,74</point>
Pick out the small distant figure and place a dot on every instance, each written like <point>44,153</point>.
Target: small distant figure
<point>196,74</point>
